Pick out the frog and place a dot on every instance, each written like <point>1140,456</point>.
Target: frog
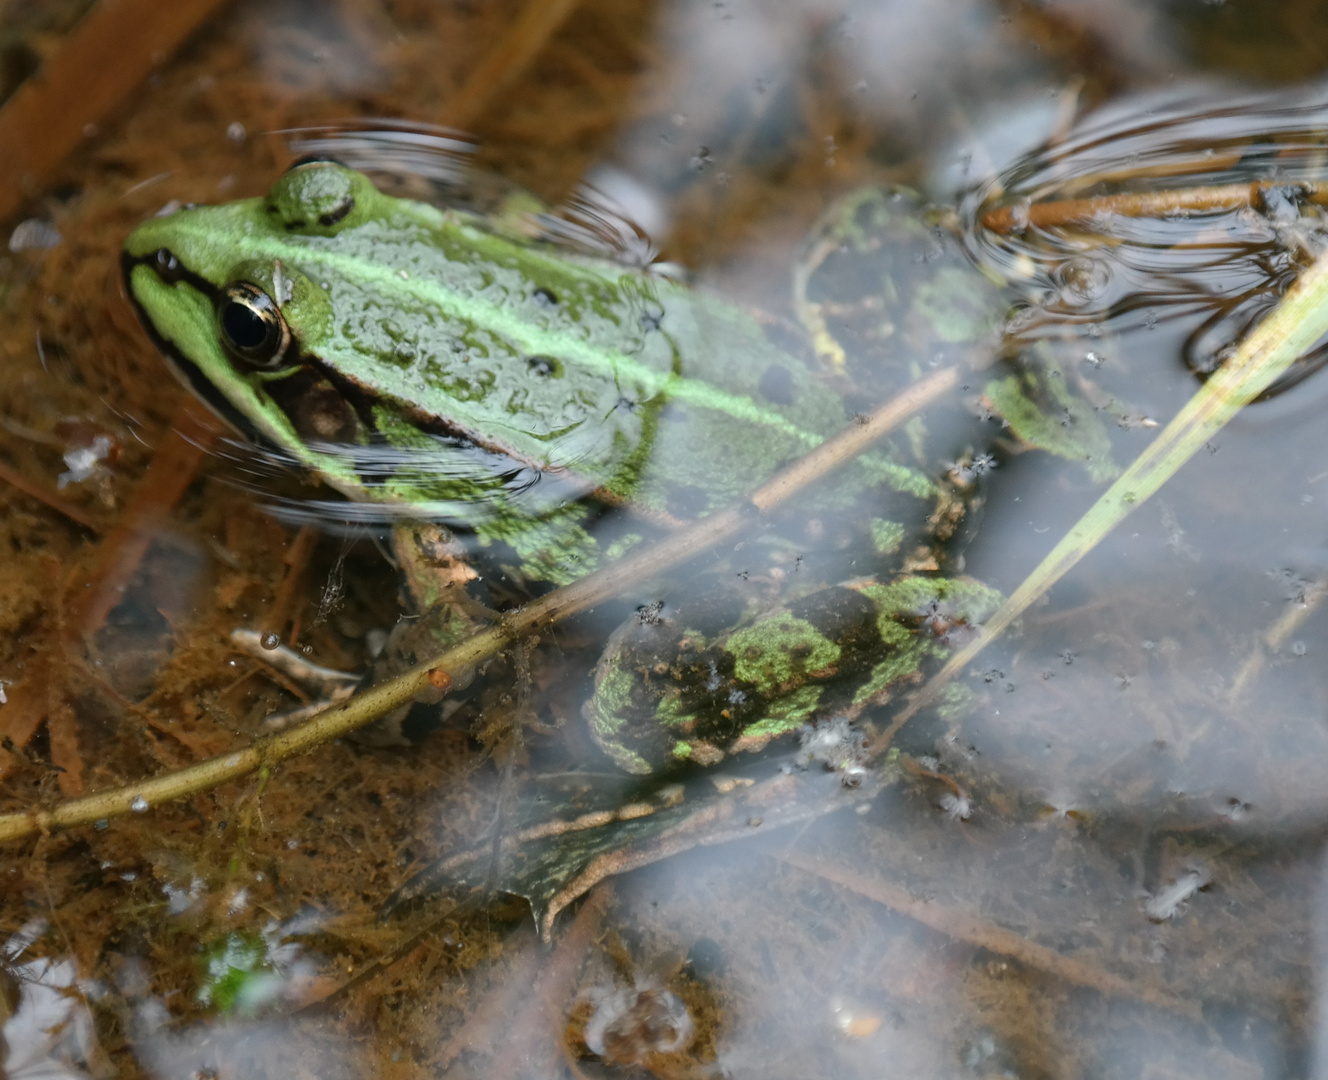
<point>550,409</point>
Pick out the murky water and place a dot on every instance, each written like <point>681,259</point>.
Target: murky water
<point>1101,856</point>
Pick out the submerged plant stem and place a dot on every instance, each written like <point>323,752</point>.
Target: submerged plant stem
<point>961,925</point>
<point>508,60</point>
<point>74,513</point>
<point>442,670</point>
<point>172,469</point>
<point>1276,636</point>
<point>111,50</point>
<point>1140,204</point>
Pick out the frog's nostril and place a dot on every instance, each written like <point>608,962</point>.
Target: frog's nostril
<point>167,266</point>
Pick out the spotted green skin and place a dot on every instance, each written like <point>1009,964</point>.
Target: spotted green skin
<point>469,377</point>
<point>671,690</point>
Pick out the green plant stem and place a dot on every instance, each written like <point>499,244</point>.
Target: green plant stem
<point>1298,321</point>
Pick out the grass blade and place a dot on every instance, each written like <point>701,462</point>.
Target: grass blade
<point>1298,321</point>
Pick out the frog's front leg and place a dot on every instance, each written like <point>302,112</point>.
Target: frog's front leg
<point>434,572</point>
<point>441,613</point>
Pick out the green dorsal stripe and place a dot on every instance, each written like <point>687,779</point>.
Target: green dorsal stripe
<point>531,339</point>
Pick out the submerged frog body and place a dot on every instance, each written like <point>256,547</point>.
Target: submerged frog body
<point>558,404</point>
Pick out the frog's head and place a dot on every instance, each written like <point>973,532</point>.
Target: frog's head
<point>222,290</point>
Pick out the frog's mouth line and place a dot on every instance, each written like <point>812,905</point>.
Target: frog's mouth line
<point>185,369</point>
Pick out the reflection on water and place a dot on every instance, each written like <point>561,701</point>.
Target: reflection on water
<point>1103,860</point>
<point>47,1029</point>
<point>1198,214</point>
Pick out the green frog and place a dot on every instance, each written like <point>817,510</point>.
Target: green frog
<point>546,410</point>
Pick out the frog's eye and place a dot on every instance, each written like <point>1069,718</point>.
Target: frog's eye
<point>314,159</point>
<point>252,327</point>
<point>313,193</point>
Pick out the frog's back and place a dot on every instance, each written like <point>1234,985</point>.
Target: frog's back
<point>435,326</point>
<point>640,384</point>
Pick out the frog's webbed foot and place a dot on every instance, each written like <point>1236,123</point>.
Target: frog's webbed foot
<point>435,570</point>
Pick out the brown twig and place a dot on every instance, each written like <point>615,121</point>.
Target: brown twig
<point>62,730</point>
<point>963,926</point>
<point>1194,200</point>
<point>170,473</point>
<point>441,671</point>
<point>538,1027</point>
<point>105,57</point>
<point>16,479</point>
<point>297,561</point>
<point>505,62</point>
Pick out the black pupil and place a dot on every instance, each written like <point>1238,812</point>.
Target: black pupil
<point>245,327</point>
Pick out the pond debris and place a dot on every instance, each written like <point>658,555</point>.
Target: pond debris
<point>1165,904</point>
<point>659,1016</point>
<point>326,684</point>
<point>956,803</point>
<point>85,462</point>
<point>180,898</point>
<point>1235,810</point>
<point>630,1024</point>
<point>49,1031</point>
<point>33,234</point>
<point>956,807</point>
<point>853,1019</point>
<point>837,745</point>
